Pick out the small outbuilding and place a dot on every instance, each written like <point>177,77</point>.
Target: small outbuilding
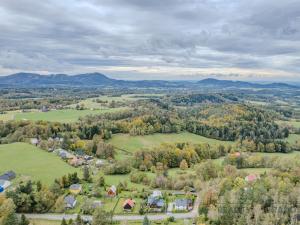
<point>70,202</point>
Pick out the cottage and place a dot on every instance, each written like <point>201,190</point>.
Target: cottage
<point>9,175</point>
<point>183,204</point>
<point>75,189</point>
<point>70,202</point>
<point>251,178</point>
<point>128,205</point>
<point>112,191</point>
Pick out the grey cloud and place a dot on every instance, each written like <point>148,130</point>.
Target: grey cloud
<point>71,35</point>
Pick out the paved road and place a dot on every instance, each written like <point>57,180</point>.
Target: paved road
<point>188,215</point>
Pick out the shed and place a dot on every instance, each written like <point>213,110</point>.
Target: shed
<point>70,201</point>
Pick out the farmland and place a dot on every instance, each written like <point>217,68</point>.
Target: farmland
<point>31,162</point>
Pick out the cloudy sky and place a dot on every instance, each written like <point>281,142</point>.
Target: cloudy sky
<point>153,39</point>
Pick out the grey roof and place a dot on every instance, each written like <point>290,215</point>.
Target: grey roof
<point>9,175</point>
<point>75,186</point>
<point>70,199</point>
<point>182,202</point>
<point>158,202</point>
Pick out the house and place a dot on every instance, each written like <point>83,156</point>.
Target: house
<point>75,189</point>
<point>128,205</point>
<point>9,175</point>
<point>251,178</point>
<point>183,204</point>
<point>65,154</point>
<point>4,184</point>
<point>112,191</point>
<point>70,202</point>
<point>76,162</point>
<point>155,203</point>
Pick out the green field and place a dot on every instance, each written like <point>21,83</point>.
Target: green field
<point>31,162</point>
<point>91,103</point>
<point>293,138</point>
<point>294,123</point>
<point>135,143</point>
<point>63,116</point>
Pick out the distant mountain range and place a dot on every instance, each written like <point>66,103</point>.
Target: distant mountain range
<point>98,79</point>
<point>241,84</point>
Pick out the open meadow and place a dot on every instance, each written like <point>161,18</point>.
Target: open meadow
<point>63,116</point>
<point>135,143</point>
<point>29,161</point>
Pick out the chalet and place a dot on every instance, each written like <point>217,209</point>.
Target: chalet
<point>112,191</point>
<point>128,205</point>
<point>70,202</point>
<point>75,189</point>
<point>183,204</point>
<point>9,175</point>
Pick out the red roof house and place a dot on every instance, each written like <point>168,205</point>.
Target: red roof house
<point>128,204</point>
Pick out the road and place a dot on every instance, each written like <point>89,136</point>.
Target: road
<point>189,215</point>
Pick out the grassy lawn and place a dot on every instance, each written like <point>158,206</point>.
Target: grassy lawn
<point>135,143</point>
<point>63,116</point>
<point>29,161</point>
<point>291,155</point>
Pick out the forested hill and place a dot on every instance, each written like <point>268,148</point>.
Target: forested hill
<point>98,79</point>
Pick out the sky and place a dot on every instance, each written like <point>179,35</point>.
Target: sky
<point>153,39</point>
